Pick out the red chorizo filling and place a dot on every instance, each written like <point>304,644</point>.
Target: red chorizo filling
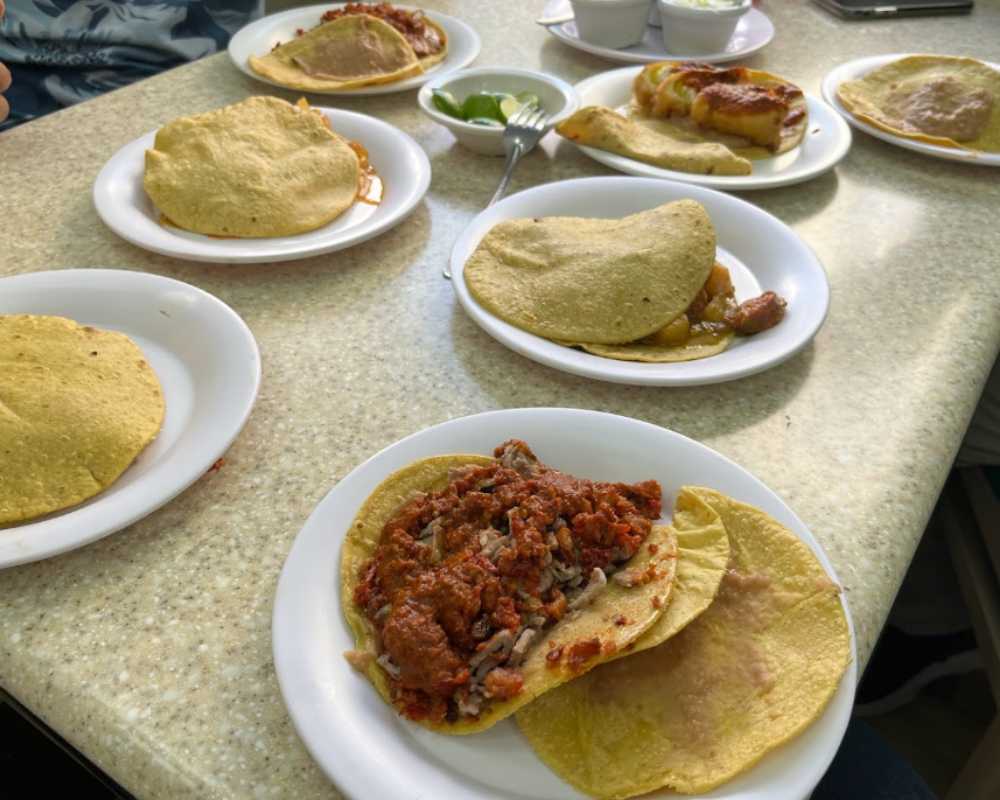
<point>465,580</point>
<point>423,38</point>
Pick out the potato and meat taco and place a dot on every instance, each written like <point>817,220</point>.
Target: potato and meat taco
<point>359,44</point>
<point>645,287</point>
<point>697,118</point>
<point>942,100</point>
<point>77,406</point>
<point>259,168</point>
<point>473,585</point>
<point>750,672</point>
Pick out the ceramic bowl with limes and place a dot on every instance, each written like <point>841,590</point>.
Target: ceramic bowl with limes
<point>474,104</point>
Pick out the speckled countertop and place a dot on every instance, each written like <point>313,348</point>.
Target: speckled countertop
<point>151,650</point>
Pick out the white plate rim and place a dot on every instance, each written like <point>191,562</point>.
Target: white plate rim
<point>459,33</point>
<point>625,55</point>
<point>819,113</point>
<point>293,247</point>
<point>290,615</point>
<point>42,539</point>
<point>858,67</point>
<point>689,373</point>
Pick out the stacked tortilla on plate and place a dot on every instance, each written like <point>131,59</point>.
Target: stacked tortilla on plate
<point>358,45</point>
<point>259,168</point>
<point>645,287</point>
<point>942,100</point>
<point>698,646</point>
<point>77,406</point>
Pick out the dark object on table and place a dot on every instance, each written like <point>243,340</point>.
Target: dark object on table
<point>865,766</point>
<point>872,9</point>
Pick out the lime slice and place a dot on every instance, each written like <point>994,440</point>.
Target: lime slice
<point>529,99</point>
<point>481,106</point>
<point>508,105</point>
<point>487,122</point>
<point>446,103</point>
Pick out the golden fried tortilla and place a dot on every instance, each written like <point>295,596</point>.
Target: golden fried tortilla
<point>258,168</point>
<point>640,605</point>
<point>752,671</point>
<point>77,405</point>
<point>595,126</point>
<point>346,53</point>
<point>603,281</point>
<point>752,112</point>
<point>942,100</point>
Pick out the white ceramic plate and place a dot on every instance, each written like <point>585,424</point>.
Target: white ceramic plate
<point>861,67</point>
<point>399,161</point>
<point>826,142</point>
<point>207,362</point>
<point>761,252</point>
<point>753,32</point>
<point>361,743</point>
<point>259,38</point>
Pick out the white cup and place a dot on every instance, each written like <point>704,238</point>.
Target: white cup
<point>699,30</point>
<point>611,23</point>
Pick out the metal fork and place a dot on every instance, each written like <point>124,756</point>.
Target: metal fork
<point>525,127</point>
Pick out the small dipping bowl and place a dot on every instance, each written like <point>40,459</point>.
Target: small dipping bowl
<point>692,30</point>
<point>557,98</point>
<point>611,23</point>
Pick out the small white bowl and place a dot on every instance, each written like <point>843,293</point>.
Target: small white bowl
<point>557,98</point>
<point>694,31</point>
<point>611,23</point>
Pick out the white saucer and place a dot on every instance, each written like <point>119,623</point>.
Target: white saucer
<point>753,32</point>
<point>761,252</point>
<point>861,67</point>
<point>361,743</point>
<point>259,38</point>
<point>207,362</point>
<point>827,140</point>
<point>399,161</point>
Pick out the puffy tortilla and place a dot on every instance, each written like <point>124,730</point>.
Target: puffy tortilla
<point>868,98</point>
<point>603,281</point>
<point>77,405</point>
<point>258,168</point>
<point>595,126</point>
<point>641,605</point>
<point>752,671</point>
<point>346,53</point>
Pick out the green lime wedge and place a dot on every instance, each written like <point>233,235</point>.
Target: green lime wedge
<point>508,106</point>
<point>487,122</point>
<point>528,99</point>
<point>446,103</point>
<point>481,106</point>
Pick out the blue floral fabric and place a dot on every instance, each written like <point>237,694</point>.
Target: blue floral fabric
<point>60,52</point>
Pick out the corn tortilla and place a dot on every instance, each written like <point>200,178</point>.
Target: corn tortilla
<point>77,405</point>
<point>346,53</point>
<point>870,98</point>
<point>601,281</point>
<point>605,129</point>
<point>258,168</point>
<point>751,672</point>
<point>641,604</point>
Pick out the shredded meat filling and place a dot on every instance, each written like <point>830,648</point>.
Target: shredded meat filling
<point>464,580</point>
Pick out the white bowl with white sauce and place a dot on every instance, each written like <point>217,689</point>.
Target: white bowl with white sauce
<point>696,27</point>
